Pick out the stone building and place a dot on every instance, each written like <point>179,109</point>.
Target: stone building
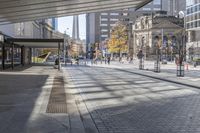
<point>156,31</point>
<point>33,29</point>
<point>193,29</point>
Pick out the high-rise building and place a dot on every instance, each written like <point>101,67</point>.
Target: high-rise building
<point>55,24</point>
<point>173,7</point>
<point>193,28</point>
<point>155,5</point>
<point>75,32</point>
<point>99,24</point>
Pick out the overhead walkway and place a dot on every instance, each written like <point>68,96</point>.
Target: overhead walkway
<point>12,11</point>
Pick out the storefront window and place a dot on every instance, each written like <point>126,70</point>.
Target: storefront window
<point>17,56</point>
<point>8,56</point>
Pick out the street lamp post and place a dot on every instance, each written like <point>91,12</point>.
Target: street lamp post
<point>64,47</point>
<point>157,62</point>
<point>181,52</point>
<point>130,38</point>
<point>141,56</point>
<point>180,65</point>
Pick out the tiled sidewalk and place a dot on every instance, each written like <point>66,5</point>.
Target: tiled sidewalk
<point>24,95</point>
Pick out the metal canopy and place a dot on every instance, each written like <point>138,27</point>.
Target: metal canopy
<point>36,43</point>
<point>12,11</point>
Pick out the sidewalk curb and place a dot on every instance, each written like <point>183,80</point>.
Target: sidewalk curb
<point>163,79</point>
<point>85,115</point>
<point>154,77</point>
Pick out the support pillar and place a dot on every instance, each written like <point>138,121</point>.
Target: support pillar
<point>30,55</point>
<point>58,56</point>
<point>3,56</point>
<point>12,60</point>
<point>22,55</point>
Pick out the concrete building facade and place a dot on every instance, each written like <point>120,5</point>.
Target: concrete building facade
<point>22,55</point>
<point>193,28</point>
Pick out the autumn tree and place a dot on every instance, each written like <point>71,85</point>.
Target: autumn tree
<point>118,39</point>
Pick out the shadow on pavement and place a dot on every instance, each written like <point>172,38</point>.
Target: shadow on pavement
<point>175,116</point>
<point>18,94</point>
<point>126,103</point>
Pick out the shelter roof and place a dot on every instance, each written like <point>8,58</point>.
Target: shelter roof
<point>12,11</point>
<point>36,43</point>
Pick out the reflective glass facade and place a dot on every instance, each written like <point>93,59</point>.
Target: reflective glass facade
<point>7,56</point>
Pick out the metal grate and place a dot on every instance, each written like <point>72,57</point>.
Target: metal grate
<point>57,101</point>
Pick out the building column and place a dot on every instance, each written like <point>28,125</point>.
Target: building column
<point>22,55</point>
<point>59,56</point>
<point>12,60</point>
<point>34,55</point>
<point>30,55</point>
<point>3,56</point>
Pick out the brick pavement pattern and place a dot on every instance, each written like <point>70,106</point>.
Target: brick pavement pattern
<point>121,102</point>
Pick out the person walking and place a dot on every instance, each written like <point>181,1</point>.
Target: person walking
<point>108,60</point>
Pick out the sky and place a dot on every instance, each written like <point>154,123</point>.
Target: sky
<point>66,24</point>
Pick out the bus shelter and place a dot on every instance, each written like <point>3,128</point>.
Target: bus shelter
<point>18,51</point>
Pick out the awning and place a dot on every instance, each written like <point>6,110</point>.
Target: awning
<point>36,43</point>
<point>12,11</point>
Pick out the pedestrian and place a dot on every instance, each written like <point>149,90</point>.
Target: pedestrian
<point>77,60</point>
<point>131,60</point>
<point>109,60</point>
<point>195,64</point>
<point>120,59</point>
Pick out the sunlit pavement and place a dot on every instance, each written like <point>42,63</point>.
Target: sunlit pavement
<point>24,96</point>
<point>168,71</point>
<point>123,102</point>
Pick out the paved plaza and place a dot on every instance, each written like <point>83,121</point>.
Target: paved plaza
<point>122,102</point>
<point>24,96</point>
<point>96,99</point>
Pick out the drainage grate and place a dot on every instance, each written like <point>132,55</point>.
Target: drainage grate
<point>57,101</point>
